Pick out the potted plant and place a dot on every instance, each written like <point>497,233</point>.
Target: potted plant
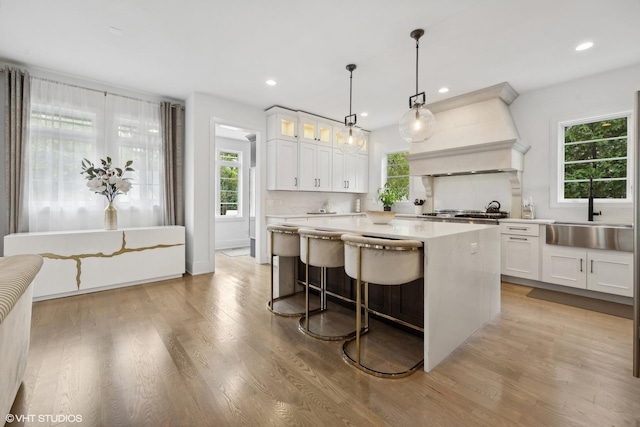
<point>388,195</point>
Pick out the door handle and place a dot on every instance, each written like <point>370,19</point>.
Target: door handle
<point>518,238</point>
<point>295,181</point>
<point>580,264</point>
<point>592,266</point>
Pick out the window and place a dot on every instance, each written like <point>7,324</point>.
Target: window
<point>397,172</point>
<point>595,148</point>
<point>68,124</point>
<point>229,173</point>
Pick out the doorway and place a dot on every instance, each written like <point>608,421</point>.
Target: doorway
<point>235,191</point>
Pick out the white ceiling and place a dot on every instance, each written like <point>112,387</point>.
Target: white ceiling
<point>229,48</point>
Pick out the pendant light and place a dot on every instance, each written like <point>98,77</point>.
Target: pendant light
<point>351,139</point>
<point>417,124</point>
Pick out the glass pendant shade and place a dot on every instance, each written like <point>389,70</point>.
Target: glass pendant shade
<point>351,139</point>
<point>417,124</point>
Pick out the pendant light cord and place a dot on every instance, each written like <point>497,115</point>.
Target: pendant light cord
<point>417,52</point>
<point>350,90</point>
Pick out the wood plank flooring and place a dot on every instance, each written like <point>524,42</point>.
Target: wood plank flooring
<point>204,351</point>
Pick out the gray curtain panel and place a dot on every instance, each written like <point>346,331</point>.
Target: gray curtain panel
<point>17,104</point>
<point>172,118</point>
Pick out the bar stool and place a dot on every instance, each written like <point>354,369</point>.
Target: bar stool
<point>382,262</point>
<point>285,241</point>
<point>323,249</point>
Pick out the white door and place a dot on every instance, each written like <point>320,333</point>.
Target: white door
<point>564,266</point>
<point>521,256</point>
<point>286,164</point>
<point>610,272</point>
<point>323,167</point>
<point>338,182</point>
<point>307,178</point>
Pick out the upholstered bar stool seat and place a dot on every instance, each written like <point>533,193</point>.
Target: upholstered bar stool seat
<point>382,262</point>
<point>323,249</point>
<point>285,242</point>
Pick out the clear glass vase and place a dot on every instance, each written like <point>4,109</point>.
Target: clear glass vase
<point>110,217</point>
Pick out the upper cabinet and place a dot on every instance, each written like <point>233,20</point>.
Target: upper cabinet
<point>282,126</point>
<point>302,155</point>
<point>315,131</point>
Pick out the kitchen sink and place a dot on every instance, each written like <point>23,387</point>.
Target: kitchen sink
<point>615,237</point>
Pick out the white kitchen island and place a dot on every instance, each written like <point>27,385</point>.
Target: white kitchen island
<point>461,275</point>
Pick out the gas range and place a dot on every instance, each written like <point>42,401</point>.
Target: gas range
<point>465,216</point>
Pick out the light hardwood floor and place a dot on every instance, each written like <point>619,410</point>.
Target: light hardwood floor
<point>204,350</point>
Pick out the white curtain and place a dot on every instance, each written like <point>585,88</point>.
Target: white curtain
<point>68,124</point>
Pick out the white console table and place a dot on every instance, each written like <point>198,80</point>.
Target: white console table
<point>77,262</point>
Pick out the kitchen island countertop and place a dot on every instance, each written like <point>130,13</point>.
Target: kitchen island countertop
<point>461,275</point>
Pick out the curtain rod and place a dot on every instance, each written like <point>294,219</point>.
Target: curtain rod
<point>102,91</point>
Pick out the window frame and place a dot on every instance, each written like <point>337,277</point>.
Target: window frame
<point>219,164</point>
<point>384,176</point>
<point>560,146</point>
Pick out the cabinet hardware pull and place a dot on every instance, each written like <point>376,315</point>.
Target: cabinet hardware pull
<point>518,238</point>
<point>518,228</point>
<point>592,266</point>
<point>580,264</point>
<point>315,182</point>
<point>318,182</point>
<point>295,183</point>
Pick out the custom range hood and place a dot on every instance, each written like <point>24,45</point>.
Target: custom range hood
<point>475,134</point>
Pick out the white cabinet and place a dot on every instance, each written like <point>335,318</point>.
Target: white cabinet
<point>596,270</point>
<point>282,167</point>
<point>82,261</point>
<point>315,131</point>
<point>302,155</point>
<point>282,126</point>
<point>610,272</point>
<point>344,172</point>
<point>314,167</point>
<point>520,250</point>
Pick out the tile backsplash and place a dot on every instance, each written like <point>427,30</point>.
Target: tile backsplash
<point>302,202</point>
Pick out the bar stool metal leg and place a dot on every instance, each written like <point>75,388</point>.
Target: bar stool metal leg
<point>272,300</point>
<point>362,302</point>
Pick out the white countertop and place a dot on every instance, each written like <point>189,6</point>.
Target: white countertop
<point>532,221</point>
<point>315,215</point>
<point>396,229</point>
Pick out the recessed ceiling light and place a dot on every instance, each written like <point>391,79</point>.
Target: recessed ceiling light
<point>584,46</point>
<point>443,90</point>
<point>271,82</point>
<point>364,114</point>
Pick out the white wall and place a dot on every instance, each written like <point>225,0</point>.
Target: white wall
<point>202,113</point>
<point>537,114</point>
<point>234,232</point>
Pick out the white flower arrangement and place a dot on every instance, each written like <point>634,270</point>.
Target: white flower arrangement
<point>107,180</point>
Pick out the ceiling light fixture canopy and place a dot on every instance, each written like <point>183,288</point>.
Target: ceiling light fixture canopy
<point>351,139</point>
<point>417,124</point>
